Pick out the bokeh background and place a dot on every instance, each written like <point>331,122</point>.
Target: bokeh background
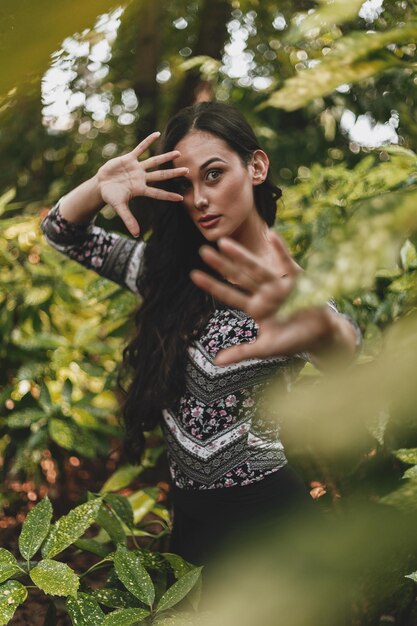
<point>330,88</point>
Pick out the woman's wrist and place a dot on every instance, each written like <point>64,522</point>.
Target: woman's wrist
<point>82,203</point>
<point>336,343</point>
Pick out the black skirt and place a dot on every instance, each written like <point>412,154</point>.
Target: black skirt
<point>206,522</point>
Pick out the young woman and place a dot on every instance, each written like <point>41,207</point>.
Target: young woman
<point>208,343</point>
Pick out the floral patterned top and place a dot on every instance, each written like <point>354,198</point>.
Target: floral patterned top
<point>222,433</point>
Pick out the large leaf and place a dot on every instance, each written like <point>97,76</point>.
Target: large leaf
<point>321,80</point>
<point>31,32</point>
<point>70,527</point>
<point>125,617</point>
<point>179,590</point>
<point>55,578</point>
<point>350,61</point>
<point>326,16</point>
<point>84,610</point>
<point>35,528</point>
<point>407,455</point>
<point>134,576</point>
<point>12,593</point>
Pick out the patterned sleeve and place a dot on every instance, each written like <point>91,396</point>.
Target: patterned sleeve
<point>111,255</point>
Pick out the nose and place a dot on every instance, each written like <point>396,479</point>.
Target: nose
<point>200,200</point>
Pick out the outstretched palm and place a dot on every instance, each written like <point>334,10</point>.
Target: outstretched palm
<point>124,178</point>
<point>265,288</point>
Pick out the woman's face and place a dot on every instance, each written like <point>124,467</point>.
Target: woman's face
<point>218,190</point>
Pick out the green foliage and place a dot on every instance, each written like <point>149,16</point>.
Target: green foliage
<point>57,372</point>
<point>353,58</point>
<point>55,578</point>
<point>348,216</point>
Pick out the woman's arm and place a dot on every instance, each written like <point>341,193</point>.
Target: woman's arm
<point>69,226</point>
<point>328,337</point>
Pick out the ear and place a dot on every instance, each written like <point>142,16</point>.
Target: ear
<point>259,166</point>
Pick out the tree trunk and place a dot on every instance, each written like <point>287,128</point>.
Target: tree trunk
<point>214,16</point>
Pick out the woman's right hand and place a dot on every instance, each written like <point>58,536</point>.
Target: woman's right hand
<point>125,177</point>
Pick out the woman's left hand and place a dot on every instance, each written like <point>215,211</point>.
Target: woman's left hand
<point>265,288</point>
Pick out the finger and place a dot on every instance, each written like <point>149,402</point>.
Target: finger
<point>158,175</point>
<point>144,145</point>
<point>289,266</point>
<point>160,159</point>
<point>161,194</point>
<point>245,260</point>
<point>235,354</point>
<point>129,220</point>
<point>230,270</point>
<point>224,293</point>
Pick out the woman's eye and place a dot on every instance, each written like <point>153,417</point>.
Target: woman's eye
<point>213,175</point>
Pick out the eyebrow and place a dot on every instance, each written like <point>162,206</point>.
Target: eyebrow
<point>211,160</point>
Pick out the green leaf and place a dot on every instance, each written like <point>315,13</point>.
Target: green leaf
<point>7,570</point>
<point>12,593</point>
<point>411,472</point>
<point>178,564</point>
<point>180,568</point>
<point>115,598</point>
<point>121,478</point>
<point>62,433</point>
<point>101,289</point>
<point>125,617</point>
<point>38,295</point>
<point>45,399</point>
<point>7,557</point>
<point>35,528</point>
<point>70,527</point>
<point>121,506</point>
<point>352,59</point>
<point>407,455</point>
<point>67,390</point>
<point>321,80</point>
<point>142,502</point>
<point>5,198</point>
<point>55,578</point>
<point>133,575</point>
<point>84,610</point>
<point>111,524</point>
<point>326,16</point>
<point>179,590</point>
<point>93,546</point>
<point>24,419</point>
<point>408,255</point>
<point>412,576</point>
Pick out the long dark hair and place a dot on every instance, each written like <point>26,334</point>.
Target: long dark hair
<point>174,310</point>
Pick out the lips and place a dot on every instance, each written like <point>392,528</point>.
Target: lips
<point>209,221</point>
